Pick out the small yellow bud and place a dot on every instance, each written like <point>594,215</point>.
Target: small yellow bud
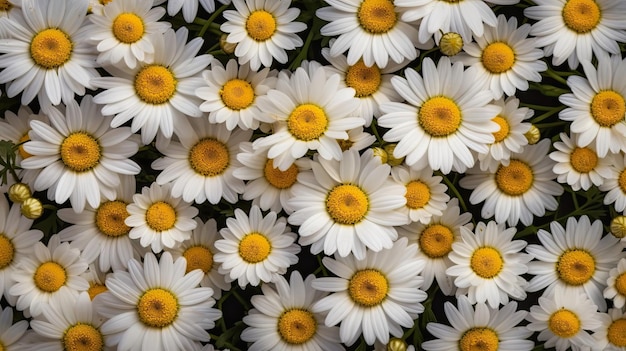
<point>32,208</point>
<point>19,192</point>
<point>391,160</point>
<point>380,153</point>
<point>396,344</point>
<point>533,135</point>
<point>227,47</point>
<point>451,44</point>
<point>618,227</point>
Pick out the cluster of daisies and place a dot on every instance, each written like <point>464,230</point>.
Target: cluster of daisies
<point>312,175</point>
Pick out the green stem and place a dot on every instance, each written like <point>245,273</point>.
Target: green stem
<point>455,192</point>
<point>550,72</point>
<point>211,19</point>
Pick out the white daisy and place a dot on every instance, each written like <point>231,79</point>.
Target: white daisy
<point>616,285</point>
<point>12,333</point>
<point>611,335</point>
<point>425,193</point>
<point>190,7</point>
<point>158,94</point>
<point>255,248</point>
<point>96,279</point>
<point>262,30</point>
<point>47,54</point>
<point>480,327</point>
<point>615,183</point>
<point>358,139</point>
<point>156,306</point>
<point>445,116</point>
<point>576,258</point>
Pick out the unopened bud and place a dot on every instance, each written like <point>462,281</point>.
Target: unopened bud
<point>533,135</point>
<point>392,160</point>
<point>227,47</point>
<point>32,208</point>
<point>396,344</point>
<point>380,153</point>
<point>451,44</point>
<point>19,192</point>
<point>618,227</point>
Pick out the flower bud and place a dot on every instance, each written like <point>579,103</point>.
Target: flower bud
<point>533,135</point>
<point>19,192</point>
<point>451,44</point>
<point>380,153</point>
<point>396,344</point>
<point>227,47</point>
<point>391,160</point>
<point>618,227</point>
<point>32,208</point>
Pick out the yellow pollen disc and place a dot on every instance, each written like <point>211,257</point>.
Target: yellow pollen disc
<point>161,216</point>
<point>261,25</point>
<point>583,159</point>
<point>7,251</point>
<point>157,308</point>
<point>504,130</point>
<point>297,326</point>
<point>345,144</point>
<point>82,337</point>
<point>436,241</point>
<point>50,276</point>
<point>417,194</point>
<point>198,257</point>
<point>347,204</point>
<point>498,57</point>
<point>280,179</point>
<point>564,323</point>
<point>608,108</point>
<point>104,2</point>
<point>51,48</point>
<point>95,289</point>
<point>581,16</point>
<point>307,122</point>
<point>155,84</point>
<point>254,248</point>
<point>368,287</point>
<point>110,218</point>
<point>439,116</point>
<point>377,16</point>
<point>5,6</point>
<point>209,157</point>
<point>514,179</point>
<point>486,262</point>
<point>128,28</point>
<point>20,149</point>
<point>576,267</point>
<point>616,333</point>
<point>237,94</point>
<point>620,284</point>
<point>621,181</point>
<point>80,152</point>
<point>365,80</point>
<point>479,339</point>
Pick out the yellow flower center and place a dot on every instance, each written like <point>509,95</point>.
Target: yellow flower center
<point>576,267</point>
<point>564,323</point>
<point>621,181</point>
<point>5,6</point>
<point>514,179</point>
<point>504,130</point>
<point>439,116</point>
<point>616,333</point>
<point>51,48</point>
<point>581,16</point>
<point>20,149</point>
<point>261,25</point>
<point>254,248</point>
<point>345,144</point>
<point>347,204</point>
<point>307,122</point>
<point>583,159</point>
<point>479,339</point>
<point>368,287</point>
<point>209,157</point>
<point>157,308</point>
<point>498,57</point>
<point>237,94</point>
<point>436,240</point>
<point>198,257</point>
<point>377,16</point>
<point>128,28</point>
<point>50,276</point>
<point>620,284</point>
<point>608,108</point>
<point>160,216</point>
<point>297,326</point>
<point>110,218</point>
<point>7,251</point>
<point>82,337</point>
<point>155,84</point>
<point>80,152</point>
<point>95,289</point>
<point>486,262</point>
<point>280,179</point>
<point>417,194</point>
<point>365,80</point>
<point>104,2</point>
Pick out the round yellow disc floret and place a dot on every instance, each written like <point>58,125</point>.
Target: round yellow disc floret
<point>417,194</point>
<point>576,267</point>
<point>5,6</point>
<point>50,276</point>
<point>95,289</point>
<point>581,16</point>
<point>155,84</point>
<point>280,179</point>
<point>479,339</point>
<point>51,48</point>
<point>161,216</point>
<point>128,28</point>
<point>157,308</point>
<point>514,179</point>
<point>583,159</point>
<point>82,337</point>
<point>504,130</point>
<point>254,248</point>
<point>564,323</point>
<point>436,240</point>
<point>439,116</point>
<point>365,80</point>
<point>80,152</point>
<point>237,94</point>
<point>261,25</point>
<point>616,333</point>
<point>620,284</point>
<point>209,157</point>
<point>307,122</point>
<point>368,287</point>
<point>110,218</point>
<point>608,108</point>
<point>498,57</point>
<point>198,257</point>
<point>7,251</point>
<point>486,262</point>
<point>297,326</point>
<point>377,16</point>
<point>347,204</point>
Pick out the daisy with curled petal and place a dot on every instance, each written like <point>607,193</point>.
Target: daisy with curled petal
<point>425,194</point>
<point>190,7</point>
<point>611,335</point>
<point>262,30</point>
<point>375,296</point>
<point>479,327</point>
<point>616,285</point>
<point>576,258</point>
<point>156,306</point>
<point>255,248</point>
<point>79,156</point>
<point>445,116</point>
<point>615,184</point>
<point>157,94</point>
<point>11,333</point>
<point>282,318</point>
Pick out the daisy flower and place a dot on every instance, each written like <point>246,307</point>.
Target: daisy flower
<point>434,241</point>
<point>158,94</point>
<point>616,285</point>
<point>479,327</point>
<point>425,194</point>
<point>504,57</point>
<point>159,219</point>
<point>611,335</point>
<point>96,279</point>
<point>255,248</point>
<point>190,7</point>
<point>47,54</point>
<point>572,29</point>
<point>375,296</point>
<point>11,334</point>
<point>230,94</point>
<point>156,306</point>
<point>283,319</point>
<point>563,319</point>
<point>79,156</point>
<point>615,183</point>
<point>576,258</point>
<point>453,117</point>
<point>312,112</point>
<point>346,206</point>
<point>262,30</point>
<point>358,139</point>
<point>122,31</point>
<point>516,192</point>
